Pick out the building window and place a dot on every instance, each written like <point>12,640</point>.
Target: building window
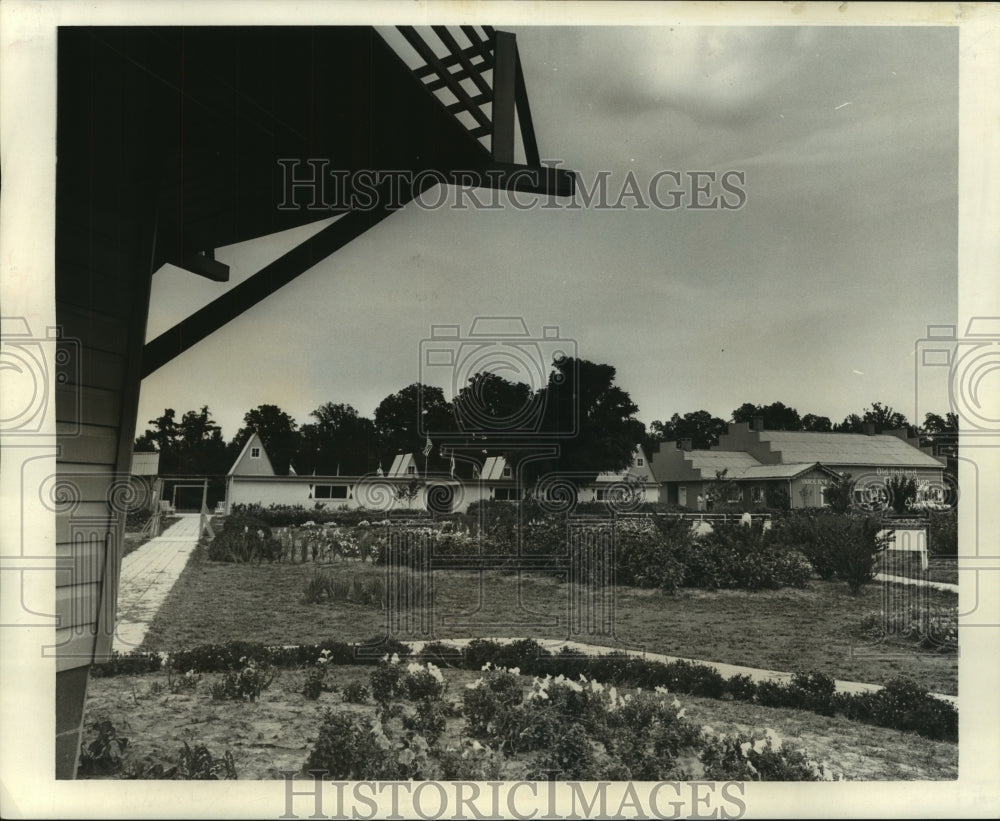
<point>638,462</point>
<point>505,494</point>
<point>757,495</point>
<point>410,470</point>
<point>330,492</point>
<point>506,473</point>
<point>735,494</point>
<point>255,453</point>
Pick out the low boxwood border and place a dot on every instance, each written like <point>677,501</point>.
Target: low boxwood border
<point>901,704</point>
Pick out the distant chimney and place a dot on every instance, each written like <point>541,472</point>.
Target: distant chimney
<point>869,428</point>
<point>684,444</point>
<point>757,423</point>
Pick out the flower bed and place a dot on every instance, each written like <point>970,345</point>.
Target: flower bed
<point>901,704</point>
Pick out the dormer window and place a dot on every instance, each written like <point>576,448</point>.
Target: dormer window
<point>255,453</point>
<point>506,473</point>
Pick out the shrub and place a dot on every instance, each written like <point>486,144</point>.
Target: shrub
<point>904,705</point>
<point>423,682</point>
<point>355,693</point>
<point>470,761</point>
<point>198,764</point>
<point>388,680</point>
<point>315,682</point>
<point>324,586</point>
<point>188,681</point>
<point>809,533</point>
<point>488,699</point>
<point>745,757</point>
<point>942,533</point>
<point>131,663</point>
<point>347,749</point>
<point>104,755</point>
<point>742,556</point>
<point>814,691</point>
<point>841,545</point>
<point>428,720</point>
<point>245,684</point>
<point>857,554</point>
<point>244,539</point>
<point>647,552</point>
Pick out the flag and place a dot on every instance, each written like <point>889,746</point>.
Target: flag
<point>428,447</point>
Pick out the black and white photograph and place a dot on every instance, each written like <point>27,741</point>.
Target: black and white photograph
<point>501,410</point>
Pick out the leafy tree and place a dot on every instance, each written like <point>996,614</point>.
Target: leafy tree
<point>721,490</point>
<point>902,492</point>
<point>816,424</point>
<point>777,415</point>
<point>941,433</point>
<point>409,492</point>
<point>163,437</point>
<point>591,418</point>
<point>700,427</point>
<point>202,449</point>
<point>398,423</point>
<point>840,493</point>
<point>492,404</point>
<point>193,446</point>
<point>883,417</point>
<point>340,441</point>
<point>276,429</point>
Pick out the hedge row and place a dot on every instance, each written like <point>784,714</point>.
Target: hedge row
<point>900,705</point>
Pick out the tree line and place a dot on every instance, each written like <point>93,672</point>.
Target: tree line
<point>592,419</point>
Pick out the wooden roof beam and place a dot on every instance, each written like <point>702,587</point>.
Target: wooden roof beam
<point>453,85</point>
<point>452,60</point>
<point>456,50</point>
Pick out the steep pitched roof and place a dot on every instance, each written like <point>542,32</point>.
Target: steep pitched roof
<point>639,470</point>
<point>248,465</point>
<point>493,469</point>
<point>401,465</point>
<point>846,449</point>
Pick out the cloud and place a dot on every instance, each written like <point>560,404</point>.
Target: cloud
<point>724,76</point>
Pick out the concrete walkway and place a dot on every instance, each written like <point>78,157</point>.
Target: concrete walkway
<point>727,670</point>
<point>147,575</point>
<point>950,588</point>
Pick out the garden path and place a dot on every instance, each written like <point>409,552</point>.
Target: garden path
<point>952,588</point>
<point>147,575</point>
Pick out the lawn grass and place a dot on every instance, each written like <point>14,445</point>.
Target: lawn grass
<point>817,628</point>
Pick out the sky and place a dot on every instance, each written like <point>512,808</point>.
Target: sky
<point>814,292</point>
